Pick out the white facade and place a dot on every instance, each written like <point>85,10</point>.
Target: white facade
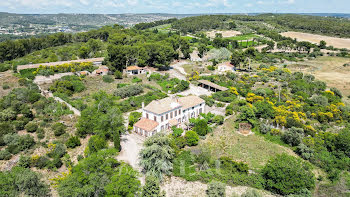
<point>225,68</point>
<point>176,116</point>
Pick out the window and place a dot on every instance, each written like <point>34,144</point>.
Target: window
<point>200,110</point>
<point>147,115</point>
<point>166,116</point>
<point>161,118</point>
<point>175,113</point>
<point>179,111</point>
<point>162,128</point>
<point>155,118</point>
<point>192,107</point>
<point>171,115</point>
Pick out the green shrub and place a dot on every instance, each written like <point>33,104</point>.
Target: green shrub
<point>73,142</point>
<point>180,142</point>
<point>293,136</point>
<point>127,91</point>
<point>40,133</point>
<point>19,124</point>
<point>107,79</point>
<point>5,86</point>
<point>16,143</point>
<point>252,193</point>
<point>58,151</point>
<point>233,166</point>
<point>24,162</point>
<point>201,127</point>
<point>42,162</point>
<point>5,155</point>
<point>136,80</point>
<point>96,143</point>
<point>31,127</point>
<point>218,119</point>
<point>192,138</point>
<point>118,74</point>
<point>216,189</point>
<point>294,173</point>
<point>59,128</point>
<point>177,131</point>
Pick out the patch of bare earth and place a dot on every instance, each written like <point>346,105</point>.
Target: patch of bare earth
<point>7,78</point>
<point>225,34</point>
<point>177,187</point>
<point>314,38</point>
<point>329,70</point>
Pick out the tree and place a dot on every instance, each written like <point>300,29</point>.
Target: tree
<point>96,143</point>
<point>232,25</point>
<point>116,140</point>
<point>192,138</point>
<point>22,181</point>
<point>125,183</point>
<point>59,128</point>
<point>323,44</point>
<point>201,127</point>
<point>151,188</point>
<point>157,155</point>
<point>73,142</point>
<point>84,52</point>
<point>237,58</point>
<point>293,136</point>
<point>286,174</point>
<point>216,189</point>
<point>99,174</point>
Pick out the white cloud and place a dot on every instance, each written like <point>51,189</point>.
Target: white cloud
<point>84,2</point>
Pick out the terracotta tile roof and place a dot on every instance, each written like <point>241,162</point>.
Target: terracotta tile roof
<point>146,124</point>
<point>228,64</point>
<point>190,101</point>
<point>168,104</point>
<point>213,85</point>
<point>133,68</point>
<point>163,105</point>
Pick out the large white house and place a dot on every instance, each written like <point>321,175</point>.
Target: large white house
<point>163,114</point>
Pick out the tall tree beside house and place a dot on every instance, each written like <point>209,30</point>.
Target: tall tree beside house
<point>237,58</point>
<point>157,155</point>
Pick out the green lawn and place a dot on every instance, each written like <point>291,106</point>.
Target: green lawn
<point>244,37</point>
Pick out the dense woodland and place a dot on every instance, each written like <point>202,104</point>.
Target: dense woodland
<point>292,110</point>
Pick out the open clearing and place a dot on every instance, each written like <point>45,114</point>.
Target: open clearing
<point>253,150</point>
<point>177,187</point>
<point>329,70</point>
<point>225,34</point>
<point>314,38</point>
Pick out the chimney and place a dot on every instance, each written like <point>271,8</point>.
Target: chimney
<point>143,105</point>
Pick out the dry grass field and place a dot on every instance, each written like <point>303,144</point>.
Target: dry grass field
<point>225,34</point>
<point>253,150</point>
<point>314,38</point>
<point>329,70</point>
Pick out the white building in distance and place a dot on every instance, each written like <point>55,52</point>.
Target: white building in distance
<point>163,114</point>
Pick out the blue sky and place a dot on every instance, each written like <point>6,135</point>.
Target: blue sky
<point>174,6</point>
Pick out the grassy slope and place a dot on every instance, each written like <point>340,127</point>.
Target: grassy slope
<point>253,149</point>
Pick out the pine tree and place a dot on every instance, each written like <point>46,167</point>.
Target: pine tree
<point>151,188</point>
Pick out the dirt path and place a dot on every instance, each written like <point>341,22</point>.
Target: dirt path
<point>47,93</point>
<point>131,147</point>
<point>177,187</point>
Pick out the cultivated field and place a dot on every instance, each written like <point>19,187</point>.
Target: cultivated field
<point>225,34</point>
<point>314,38</point>
<point>329,70</point>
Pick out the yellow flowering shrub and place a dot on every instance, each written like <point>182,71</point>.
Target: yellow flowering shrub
<point>233,90</point>
<point>251,97</point>
<point>55,181</point>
